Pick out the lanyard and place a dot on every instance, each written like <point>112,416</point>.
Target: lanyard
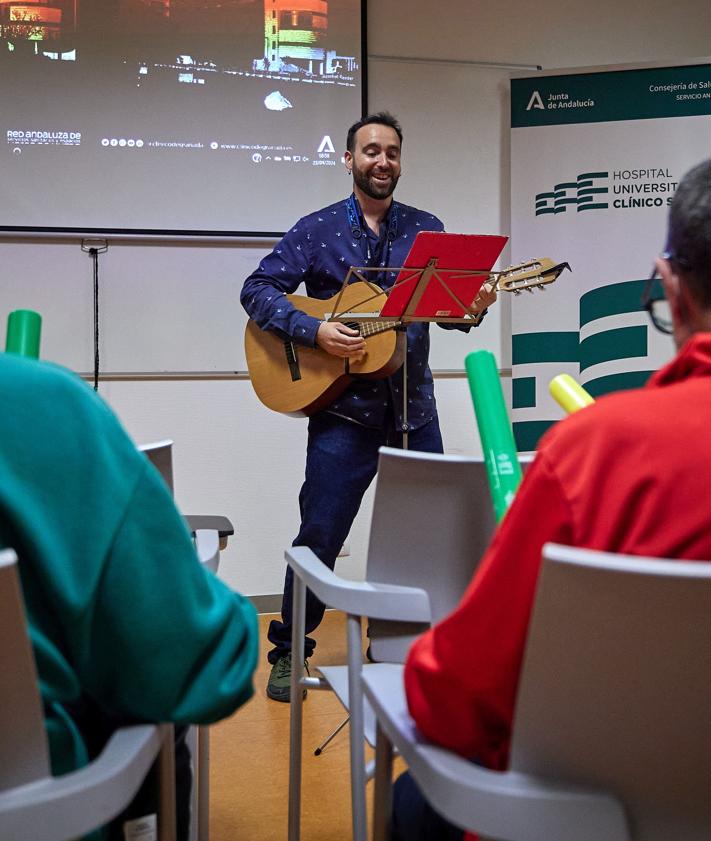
<point>357,225</point>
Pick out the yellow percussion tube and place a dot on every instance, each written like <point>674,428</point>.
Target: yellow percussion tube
<point>569,394</point>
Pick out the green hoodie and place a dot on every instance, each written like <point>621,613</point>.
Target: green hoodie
<point>117,604</point>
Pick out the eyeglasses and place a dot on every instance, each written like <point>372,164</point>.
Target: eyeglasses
<point>653,299</point>
<point>678,259</point>
<point>656,304</point>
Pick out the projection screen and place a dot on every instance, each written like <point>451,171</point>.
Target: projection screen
<point>175,117</point>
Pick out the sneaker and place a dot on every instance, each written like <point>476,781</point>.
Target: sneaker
<point>279,683</point>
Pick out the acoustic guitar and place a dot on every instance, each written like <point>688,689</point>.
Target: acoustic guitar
<point>299,380</point>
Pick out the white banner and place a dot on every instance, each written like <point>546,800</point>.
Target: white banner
<point>595,160</point>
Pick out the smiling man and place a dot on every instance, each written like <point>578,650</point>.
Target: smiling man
<point>369,229</point>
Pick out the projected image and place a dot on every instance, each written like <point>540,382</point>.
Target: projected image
<point>252,95</point>
<point>32,26</point>
<point>295,38</point>
<point>249,38</point>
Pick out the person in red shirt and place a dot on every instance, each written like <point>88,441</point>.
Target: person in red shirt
<point>627,474</point>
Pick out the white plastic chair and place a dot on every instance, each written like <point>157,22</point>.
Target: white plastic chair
<point>210,535</point>
<point>611,737</point>
<point>34,806</point>
<point>432,520</point>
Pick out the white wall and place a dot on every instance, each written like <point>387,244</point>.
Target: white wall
<point>233,456</point>
<point>552,33</point>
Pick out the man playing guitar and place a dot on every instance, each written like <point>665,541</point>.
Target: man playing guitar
<point>368,229</point>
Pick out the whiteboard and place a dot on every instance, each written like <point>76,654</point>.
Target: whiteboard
<point>174,307</point>
<point>163,307</point>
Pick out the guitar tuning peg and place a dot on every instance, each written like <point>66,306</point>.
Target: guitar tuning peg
<point>541,287</point>
<point>529,289</point>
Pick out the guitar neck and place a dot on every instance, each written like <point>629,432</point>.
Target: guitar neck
<point>372,328</point>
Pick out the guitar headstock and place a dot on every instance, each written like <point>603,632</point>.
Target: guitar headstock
<point>530,275</point>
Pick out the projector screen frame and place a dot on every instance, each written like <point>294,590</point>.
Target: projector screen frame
<point>197,235</point>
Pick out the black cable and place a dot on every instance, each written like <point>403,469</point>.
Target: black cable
<point>94,252</point>
<point>95,258</point>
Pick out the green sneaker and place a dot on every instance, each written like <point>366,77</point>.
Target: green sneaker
<point>279,683</point>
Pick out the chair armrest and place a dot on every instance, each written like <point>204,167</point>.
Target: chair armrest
<point>496,804</point>
<point>72,805</point>
<point>213,522</point>
<point>360,598</point>
<point>207,546</point>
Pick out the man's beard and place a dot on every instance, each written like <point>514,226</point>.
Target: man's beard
<point>371,188</point>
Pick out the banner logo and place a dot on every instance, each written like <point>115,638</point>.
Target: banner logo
<point>535,102</point>
<point>585,193</point>
<point>604,356</point>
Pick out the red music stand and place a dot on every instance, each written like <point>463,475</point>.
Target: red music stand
<point>442,276</point>
<point>440,280</point>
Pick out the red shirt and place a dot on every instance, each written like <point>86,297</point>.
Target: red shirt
<point>628,474</point>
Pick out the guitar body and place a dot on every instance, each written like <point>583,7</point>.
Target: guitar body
<point>298,380</point>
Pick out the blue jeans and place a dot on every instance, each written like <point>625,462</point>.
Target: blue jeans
<point>413,819</point>
<point>341,461</point>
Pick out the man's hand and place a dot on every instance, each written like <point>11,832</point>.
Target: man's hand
<point>485,298</point>
<point>339,340</point>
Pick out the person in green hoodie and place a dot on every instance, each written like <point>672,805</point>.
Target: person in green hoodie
<point>125,624</point>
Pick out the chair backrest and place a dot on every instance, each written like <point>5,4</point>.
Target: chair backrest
<point>24,751</point>
<point>616,683</point>
<point>160,455</point>
<point>74,804</point>
<point>432,520</point>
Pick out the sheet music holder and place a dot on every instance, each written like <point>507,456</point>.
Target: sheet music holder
<point>442,276</point>
<point>439,281</point>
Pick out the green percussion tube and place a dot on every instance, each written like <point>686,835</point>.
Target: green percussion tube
<point>23,333</point>
<point>497,439</point>
<point>569,394</point>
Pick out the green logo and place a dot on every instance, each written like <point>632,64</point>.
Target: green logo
<point>584,193</point>
<point>550,348</point>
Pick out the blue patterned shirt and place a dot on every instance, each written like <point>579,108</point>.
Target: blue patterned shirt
<point>318,251</point>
